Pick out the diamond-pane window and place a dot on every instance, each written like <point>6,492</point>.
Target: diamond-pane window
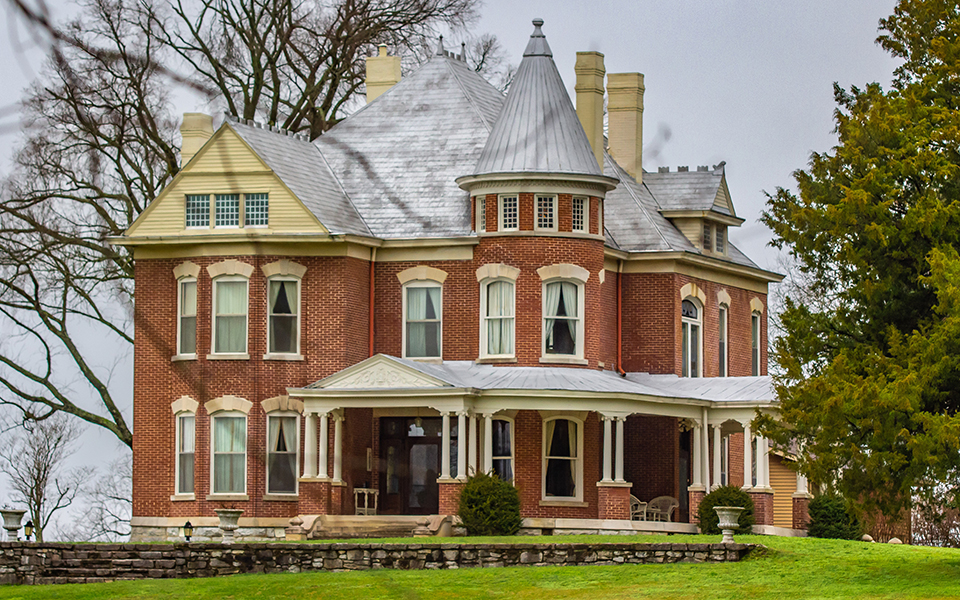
<point>198,211</point>
<point>228,210</point>
<point>256,210</point>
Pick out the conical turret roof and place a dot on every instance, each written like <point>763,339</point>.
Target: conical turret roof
<point>538,130</point>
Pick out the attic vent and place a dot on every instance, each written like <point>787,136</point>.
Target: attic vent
<point>682,169</point>
<point>702,169</point>
<point>663,169</point>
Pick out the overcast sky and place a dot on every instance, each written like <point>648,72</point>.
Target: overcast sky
<point>748,82</point>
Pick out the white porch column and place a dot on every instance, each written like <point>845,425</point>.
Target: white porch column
<point>716,456</point>
<point>472,447</point>
<point>747,458</point>
<point>697,471</point>
<point>487,443</point>
<point>607,446</point>
<point>324,446</point>
<point>763,463</point>
<point>310,446</point>
<point>462,445</point>
<point>802,485</point>
<point>618,473</point>
<point>705,449</point>
<point>338,448</point>
<point>445,448</point>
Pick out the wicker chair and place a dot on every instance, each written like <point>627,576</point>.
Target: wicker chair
<point>638,510</point>
<point>661,508</point>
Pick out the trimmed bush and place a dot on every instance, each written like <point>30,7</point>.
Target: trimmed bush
<point>831,517</point>
<point>489,506</point>
<point>727,495</point>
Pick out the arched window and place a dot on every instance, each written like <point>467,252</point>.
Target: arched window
<point>423,318</point>
<point>562,318</point>
<point>186,275</point>
<point>185,422</point>
<point>690,332</point>
<point>230,314</point>
<point>283,433</point>
<point>562,459</point>
<point>229,448</point>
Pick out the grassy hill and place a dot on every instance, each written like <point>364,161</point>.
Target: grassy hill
<point>789,568</point>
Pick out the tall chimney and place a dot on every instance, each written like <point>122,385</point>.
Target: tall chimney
<point>625,121</point>
<point>383,72</point>
<point>195,130</point>
<point>589,88</point>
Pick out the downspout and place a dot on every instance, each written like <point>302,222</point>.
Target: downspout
<point>373,260</point>
<point>620,319</point>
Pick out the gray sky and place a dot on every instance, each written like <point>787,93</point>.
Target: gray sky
<point>748,82</point>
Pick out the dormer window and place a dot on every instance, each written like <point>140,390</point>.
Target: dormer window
<point>721,239</point>
<point>509,219</point>
<point>546,213</point>
<point>707,239</point>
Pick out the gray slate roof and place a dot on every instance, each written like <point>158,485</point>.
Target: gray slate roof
<point>687,190</point>
<point>300,166</point>
<point>538,130</point>
<point>467,374</point>
<point>399,156</point>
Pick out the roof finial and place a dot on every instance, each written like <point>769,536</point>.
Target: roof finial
<point>537,46</point>
<point>463,51</point>
<point>538,23</point>
<point>440,51</point>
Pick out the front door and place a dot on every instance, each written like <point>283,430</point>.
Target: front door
<point>410,455</point>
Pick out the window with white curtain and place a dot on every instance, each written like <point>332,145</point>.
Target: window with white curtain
<point>229,454</point>
<point>282,445</point>
<point>230,315</point>
<point>497,336</point>
<point>562,471</point>
<point>186,447</point>
<point>503,449</point>
<point>755,343</point>
<point>690,338</point>
<point>283,323</point>
<point>563,318</point>
<point>722,322</point>
<point>423,313</point>
<point>187,317</point>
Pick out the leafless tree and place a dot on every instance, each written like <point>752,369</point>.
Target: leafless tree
<point>108,505</point>
<point>33,460</point>
<point>101,142</point>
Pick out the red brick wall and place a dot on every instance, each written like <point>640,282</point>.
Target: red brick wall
<point>450,497</point>
<point>614,503</point>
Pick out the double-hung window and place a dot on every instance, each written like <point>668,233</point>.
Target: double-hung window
<point>187,317</point>
<point>755,343</point>
<point>722,350</point>
<point>230,315</point>
<point>423,313</point>
<point>186,447</point>
<point>546,213</point>
<point>229,453</point>
<point>227,211</point>
<point>283,323</point>
<point>509,213</point>
<point>562,469</point>
<point>690,338</point>
<point>503,449</point>
<point>563,318</point>
<point>497,334</point>
<point>282,445</point>
<point>580,214</point>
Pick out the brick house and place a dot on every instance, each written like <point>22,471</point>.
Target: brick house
<point>449,281</point>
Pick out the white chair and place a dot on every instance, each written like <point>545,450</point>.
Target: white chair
<point>638,510</point>
<point>661,508</point>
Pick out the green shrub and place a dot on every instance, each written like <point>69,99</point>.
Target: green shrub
<point>831,517</point>
<point>489,506</point>
<point>727,495</point>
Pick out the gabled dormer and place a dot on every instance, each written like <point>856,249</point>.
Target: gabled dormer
<point>697,203</point>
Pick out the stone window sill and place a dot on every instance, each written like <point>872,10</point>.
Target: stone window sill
<point>237,356</point>
<point>434,360</point>
<point>183,357</point>
<point>183,498</point>
<point>499,360</point>
<point>280,497</point>
<point>227,498</point>
<point>563,360</point>
<point>564,503</point>
<point>290,357</point>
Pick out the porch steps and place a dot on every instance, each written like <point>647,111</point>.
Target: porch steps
<point>328,527</point>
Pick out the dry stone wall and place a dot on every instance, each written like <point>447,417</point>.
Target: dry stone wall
<point>25,563</point>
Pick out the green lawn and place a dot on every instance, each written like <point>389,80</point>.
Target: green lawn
<point>791,568</point>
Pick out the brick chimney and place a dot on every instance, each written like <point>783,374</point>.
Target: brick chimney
<point>195,130</point>
<point>383,72</point>
<point>589,88</point>
<point>625,121</point>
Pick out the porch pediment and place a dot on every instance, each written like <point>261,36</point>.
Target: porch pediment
<point>380,372</point>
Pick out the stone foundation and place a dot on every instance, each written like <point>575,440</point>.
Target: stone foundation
<point>28,563</point>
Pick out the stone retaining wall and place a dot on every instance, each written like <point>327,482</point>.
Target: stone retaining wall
<point>27,563</point>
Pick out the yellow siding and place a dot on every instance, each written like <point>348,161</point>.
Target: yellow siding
<point>211,173</point>
<point>723,198</point>
<point>692,229</point>
<point>784,484</point>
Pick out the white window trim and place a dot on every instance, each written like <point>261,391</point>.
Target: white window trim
<point>600,218</point>
<point>239,496</point>
<point>586,214</point>
<point>578,460</point>
<point>723,317</point>
<point>296,477</point>
<point>577,356</point>
<point>209,212</point>
<point>189,355</point>
<point>403,319</point>
<point>536,211</point>
<point>705,227</point>
<point>213,215</point>
<point>724,478</point>
<point>243,210</point>
<point>177,494</point>
<point>483,318</point>
<point>755,337</point>
<point>500,226</point>
<point>513,447</point>
<point>699,323</point>
<point>214,355</point>
<point>297,355</point>
<point>481,206</point>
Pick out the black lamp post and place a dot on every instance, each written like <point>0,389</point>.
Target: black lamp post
<point>28,530</point>
<point>188,530</point>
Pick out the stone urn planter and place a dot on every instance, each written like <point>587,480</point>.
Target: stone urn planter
<point>729,520</point>
<point>11,522</point>
<point>228,522</point>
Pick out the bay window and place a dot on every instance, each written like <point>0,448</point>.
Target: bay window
<point>423,312</point>
<point>282,446</point>
<point>690,338</point>
<point>562,472</point>
<point>563,318</point>
<point>230,315</point>
<point>229,448</point>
